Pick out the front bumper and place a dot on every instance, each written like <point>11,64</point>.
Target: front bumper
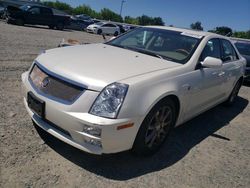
<point>66,123</point>
<point>91,30</point>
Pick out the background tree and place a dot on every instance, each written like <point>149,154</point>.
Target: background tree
<point>158,21</point>
<point>85,9</point>
<point>242,34</point>
<point>146,20</point>
<point>196,26</point>
<point>223,30</point>
<point>59,5</point>
<point>107,14</point>
<point>131,20</point>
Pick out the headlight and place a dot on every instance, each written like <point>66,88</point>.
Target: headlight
<point>109,101</point>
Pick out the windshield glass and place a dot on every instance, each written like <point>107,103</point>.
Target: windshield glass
<point>161,43</point>
<point>24,7</point>
<point>243,47</point>
<point>99,23</point>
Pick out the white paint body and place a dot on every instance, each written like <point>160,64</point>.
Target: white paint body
<point>105,28</point>
<point>150,79</point>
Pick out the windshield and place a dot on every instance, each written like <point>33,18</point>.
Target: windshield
<point>99,23</point>
<point>24,7</point>
<point>161,43</point>
<point>243,47</point>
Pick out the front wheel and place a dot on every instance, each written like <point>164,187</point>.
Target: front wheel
<point>155,128</point>
<point>99,31</point>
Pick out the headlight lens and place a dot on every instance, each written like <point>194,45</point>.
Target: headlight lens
<point>109,101</point>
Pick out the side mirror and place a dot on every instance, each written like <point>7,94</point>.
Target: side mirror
<point>211,62</point>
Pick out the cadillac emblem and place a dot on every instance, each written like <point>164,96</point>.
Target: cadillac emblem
<point>45,82</point>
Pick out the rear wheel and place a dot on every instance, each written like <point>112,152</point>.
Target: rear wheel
<point>234,93</point>
<point>155,128</point>
<point>116,33</point>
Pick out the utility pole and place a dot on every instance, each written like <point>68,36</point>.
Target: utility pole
<point>123,1</point>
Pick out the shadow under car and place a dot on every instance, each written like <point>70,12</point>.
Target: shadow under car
<point>124,166</point>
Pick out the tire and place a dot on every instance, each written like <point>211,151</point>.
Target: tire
<point>116,33</point>
<point>60,26</point>
<point>234,94</point>
<point>155,128</point>
<point>51,26</point>
<point>20,22</point>
<point>99,31</point>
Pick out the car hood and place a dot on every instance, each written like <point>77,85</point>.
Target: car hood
<point>93,25</point>
<point>97,65</point>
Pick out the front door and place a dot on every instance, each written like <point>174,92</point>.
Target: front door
<point>206,84</point>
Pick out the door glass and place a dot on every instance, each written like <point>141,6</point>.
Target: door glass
<point>228,53</point>
<point>212,49</point>
<point>35,10</point>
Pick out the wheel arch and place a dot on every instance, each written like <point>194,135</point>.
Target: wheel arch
<point>170,95</point>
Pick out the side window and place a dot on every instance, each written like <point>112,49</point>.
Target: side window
<point>212,49</point>
<point>34,10</point>
<point>228,52</point>
<point>46,11</point>
<point>107,25</point>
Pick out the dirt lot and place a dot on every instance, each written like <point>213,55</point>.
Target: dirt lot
<point>213,150</point>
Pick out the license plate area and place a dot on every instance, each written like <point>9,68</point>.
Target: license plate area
<point>36,105</point>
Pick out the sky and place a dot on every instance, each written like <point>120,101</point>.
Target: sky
<point>181,13</point>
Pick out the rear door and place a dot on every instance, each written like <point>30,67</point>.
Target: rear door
<point>108,28</point>
<point>231,65</point>
<point>33,15</point>
<point>47,16</point>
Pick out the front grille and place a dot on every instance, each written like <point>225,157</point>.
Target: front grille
<point>54,87</point>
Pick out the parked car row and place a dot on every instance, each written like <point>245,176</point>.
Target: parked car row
<point>243,46</point>
<point>35,15</point>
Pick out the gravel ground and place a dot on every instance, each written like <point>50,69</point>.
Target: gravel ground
<point>212,150</point>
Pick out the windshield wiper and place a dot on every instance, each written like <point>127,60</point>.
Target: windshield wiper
<point>143,51</point>
<point>149,53</point>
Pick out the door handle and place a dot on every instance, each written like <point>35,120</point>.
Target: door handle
<point>222,73</point>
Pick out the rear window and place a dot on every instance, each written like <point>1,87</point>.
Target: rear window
<point>243,47</point>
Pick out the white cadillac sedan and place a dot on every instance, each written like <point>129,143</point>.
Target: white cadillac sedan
<point>130,92</point>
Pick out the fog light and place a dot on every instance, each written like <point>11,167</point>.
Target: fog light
<point>94,131</point>
<point>93,142</point>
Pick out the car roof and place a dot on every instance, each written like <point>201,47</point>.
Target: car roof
<point>240,40</point>
<point>35,5</point>
<point>188,31</point>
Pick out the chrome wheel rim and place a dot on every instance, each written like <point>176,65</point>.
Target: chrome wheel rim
<point>158,127</point>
